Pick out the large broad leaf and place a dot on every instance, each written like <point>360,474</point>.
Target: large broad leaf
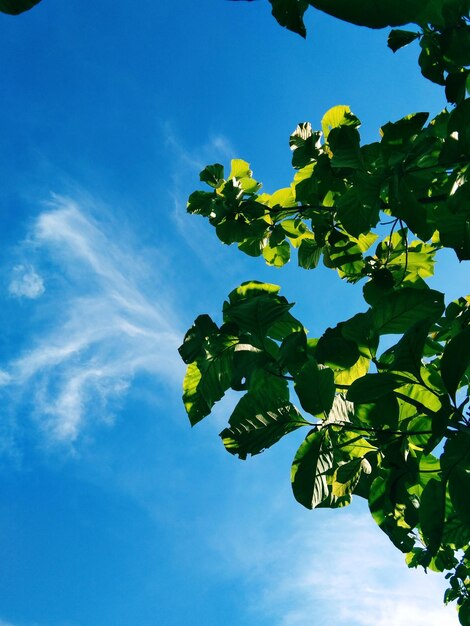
<point>312,463</point>
<point>195,338</point>
<point>14,7</point>
<point>408,352</point>
<point>337,116</point>
<point>259,421</point>
<point>334,350</point>
<point>196,406</point>
<point>371,387</point>
<point>459,489</point>
<point>386,515</point>
<point>256,308</point>
<point>398,311</point>
<point>346,477</point>
<point>432,514</point>
<point>455,463</point>
<point>316,388</point>
<point>455,361</point>
<point>208,379</point>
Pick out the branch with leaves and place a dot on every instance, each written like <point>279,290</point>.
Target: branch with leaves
<point>389,425</point>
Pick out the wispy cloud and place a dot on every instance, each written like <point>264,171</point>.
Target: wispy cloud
<point>187,163</point>
<point>26,282</point>
<point>338,571</point>
<point>106,322</point>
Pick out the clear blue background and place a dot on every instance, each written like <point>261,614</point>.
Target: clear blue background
<point>113,511</point>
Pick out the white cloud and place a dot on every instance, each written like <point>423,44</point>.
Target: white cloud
<point>335,568</point>
<point>26,282</point>
<point>106,324</point>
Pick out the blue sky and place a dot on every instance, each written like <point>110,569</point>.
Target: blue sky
<point>113,511</point>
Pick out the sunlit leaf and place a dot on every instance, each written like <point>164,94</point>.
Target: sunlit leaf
<point>314,459</point>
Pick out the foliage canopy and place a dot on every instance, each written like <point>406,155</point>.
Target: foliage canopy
<point>390,424</point>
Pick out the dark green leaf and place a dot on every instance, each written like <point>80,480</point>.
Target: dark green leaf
<point>355,215</point>
<point>257,314</point>
<point>207,380</point>
<point>408,352</point>
<point>373,386</point>
<point>455,361</point>
<point>432,514</point>
<point>309,253</point>
<point>312,463</point>
<point>194,339</point>
<point>14,7</point>
<point>315,387</point>
<point>213,175</point>
<point>289,13</point>
<point>399,310</point>
<point>336,351</point>
<point>400,38</point>
<point>459,490</point>
<point>376,14</point>
<point>293,351</point>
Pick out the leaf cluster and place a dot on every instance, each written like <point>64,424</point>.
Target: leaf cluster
<point>387,420</point>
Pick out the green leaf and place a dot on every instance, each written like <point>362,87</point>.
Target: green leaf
<point>289,13</point>
<point>386,514</point>
<point>315,387</point>
<point>335,351</point>
<point>312,463</point>
<point>356,216</point>
<point>455,361</point>
<point>381,414</point>
<point>339,115</point>
<point>239,169</point>
<point>259,421</point>
<point>408,352</point>
<point>293,351</point>
<point>277,255</point>
<point>309,253</point>
<point>200,203</point>
<point>359,329</point>
<point>207,380</point>
<point>346,477</point>
<point>376,14</point>
<point>400,38</point>
<point>464,612</point>
<point>196,406</point>
<point>459,490</point>
<point>256,315</point>
<point>341,412</point>
<point>373,386</point>
<point>14,7</point>
<point>344,142</point>
<point>213,175</point>
<point>195,338</point>
<point>432,514</point>
<point>399,310</point>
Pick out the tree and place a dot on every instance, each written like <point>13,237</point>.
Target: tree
<point>393,425</point>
